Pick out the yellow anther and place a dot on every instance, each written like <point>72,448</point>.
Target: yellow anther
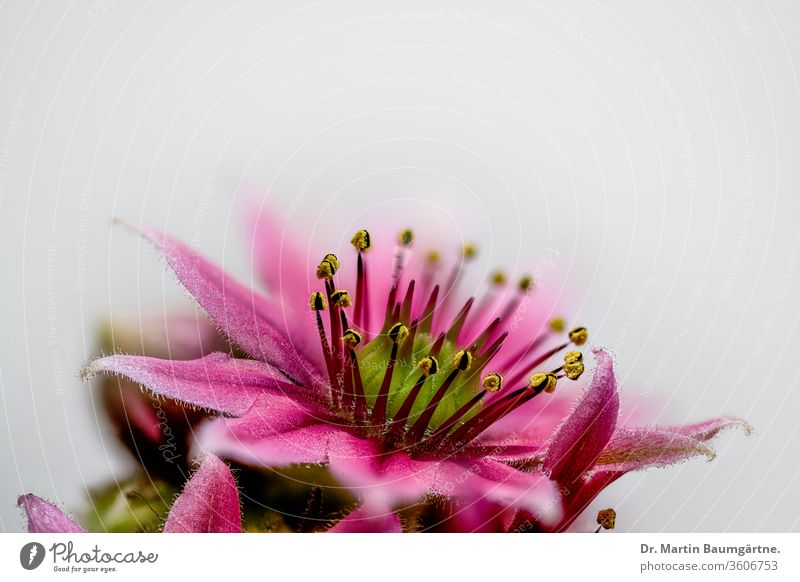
<point>341,298</point>
<point>573,370</point>
<point>544,383</point>
<point>317,301</point>
<point>398,333</point>
<point>557,324</point>
<point>433,257</point>
<point>499,278</point>
<point>607,518</point>
<point>406,237</point>
<point>526,284</point>
<point>571,357</point>
<point>578,335</point>
<point>325,270</point>
<point>361,240</point>
<point>469,251</point>
<point>492,382</point>
<point>428,366</point>
<point>351,338</point>
<point>463,360</point>
<point>333,260</point>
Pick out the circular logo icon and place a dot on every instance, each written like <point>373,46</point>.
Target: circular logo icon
<point>31,555</point>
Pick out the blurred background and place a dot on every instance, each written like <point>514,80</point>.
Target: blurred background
<point>641,158</point>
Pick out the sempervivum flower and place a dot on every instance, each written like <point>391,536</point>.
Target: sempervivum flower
<point>401,392</point>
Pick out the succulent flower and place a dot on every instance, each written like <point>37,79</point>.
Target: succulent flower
<point>447,413</point>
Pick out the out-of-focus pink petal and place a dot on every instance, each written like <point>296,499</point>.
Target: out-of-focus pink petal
<point>629,450</point>
<point>710,428</point>
<point>217,381</point>
<point>246,318</point>
<point>585,433</point>
<point>369,518</point>
<point>279,260</point>
<point>44,517</point>
<point>209,502</point>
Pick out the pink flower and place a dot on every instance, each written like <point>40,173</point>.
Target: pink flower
<point>401,392</point>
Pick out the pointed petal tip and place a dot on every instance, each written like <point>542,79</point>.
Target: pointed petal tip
<point>45,517</point>
<point>584,434</point>
<point>209,502</point>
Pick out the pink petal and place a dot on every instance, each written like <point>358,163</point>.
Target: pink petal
<point>710,428</point>
<point>209,502</point>
<point>44,517</point>
<point>369,518</point>
<point>629,450</point>
<point>246,318</point>
<point>585,433</point>
<point>279,259</point>
<point>217,381</point>
<point>274,440</point>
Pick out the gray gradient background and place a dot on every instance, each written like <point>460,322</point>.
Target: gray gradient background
<point>653,145</point>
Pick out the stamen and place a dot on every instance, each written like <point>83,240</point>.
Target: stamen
<point>461,363</point>
<point>499,278</point>
<point>407,350</point>
<point>360,411</point>
<point>491,383</point>
<point>573,365</point>
<point>498,409</point>
<point>328,267</point>
<point>317,304</point>
<point>401,254</point>
<point>397,334</point>
<point>406,237</point>
<point>578,335</point>
<point>341,298</point>
<point>351,338</point>
<point>606,519</point>
<point>361,240</point>
<point>557,324</point>
<point>428,366</point>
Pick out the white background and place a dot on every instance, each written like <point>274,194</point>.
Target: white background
<point>654,146</point>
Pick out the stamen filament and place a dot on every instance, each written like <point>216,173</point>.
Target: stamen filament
<point>417,430</point>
